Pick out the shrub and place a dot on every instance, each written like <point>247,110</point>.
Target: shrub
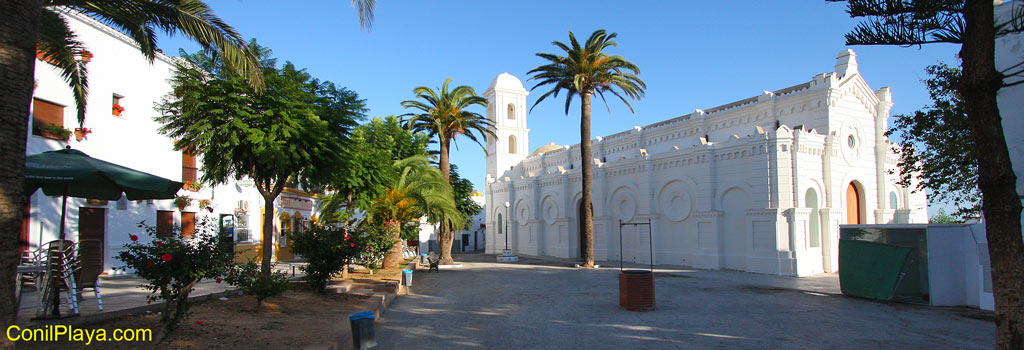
<point>248,278</point>
<point>173,265</point>
<point>375,240</point>
<point>327,250</point>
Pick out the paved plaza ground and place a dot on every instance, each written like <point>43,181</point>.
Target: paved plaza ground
<point>547,304</point>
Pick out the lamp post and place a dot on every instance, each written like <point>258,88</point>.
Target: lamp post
<point>507,251</point>
<point>506,255</point>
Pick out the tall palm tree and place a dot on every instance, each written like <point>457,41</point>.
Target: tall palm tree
<point>419,190</point>
<point>585,71</point>
<point>445,114</point>
<point>29,25</point>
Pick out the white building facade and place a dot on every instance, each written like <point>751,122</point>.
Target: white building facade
<point>759,185</point>
<point>121,76</point>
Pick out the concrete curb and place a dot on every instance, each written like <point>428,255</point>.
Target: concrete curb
<point>378,302</point>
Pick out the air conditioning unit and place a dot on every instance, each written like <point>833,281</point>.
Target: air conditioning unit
<point>243,205</point>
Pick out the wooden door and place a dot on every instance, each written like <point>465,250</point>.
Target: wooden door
<point>853,205</point>
<point>91,222</point>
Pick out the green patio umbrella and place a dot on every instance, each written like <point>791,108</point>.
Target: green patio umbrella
<point>71,173</point>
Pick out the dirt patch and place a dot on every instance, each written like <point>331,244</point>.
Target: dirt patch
<point>298,319</point>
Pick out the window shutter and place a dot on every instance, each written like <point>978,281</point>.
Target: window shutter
<point>188,224</point>
<point>45,113</point>
<point>164,223</point>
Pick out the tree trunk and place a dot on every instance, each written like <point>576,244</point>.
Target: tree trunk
<point>268,234</point>
<point>17,66</point>
<point>587,231</point>
<point>1000,204</point>
<point>445,236</point>
<point>394,257</point>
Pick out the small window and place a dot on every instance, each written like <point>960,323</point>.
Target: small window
<point>188,166</point>
<point>188,225</point>
<point>164,223</point>
<point>893,200</point>
<point>45,117</point>
<point>511,112</point>
<point>512,144</point>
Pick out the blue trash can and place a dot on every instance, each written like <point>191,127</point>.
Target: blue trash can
<point>362,329</point>
<point>407,277</point>
<point>423,259</point>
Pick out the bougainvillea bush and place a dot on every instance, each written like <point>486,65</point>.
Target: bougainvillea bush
<point>172,265</point>
<point>250,280</point>
<point>375,239</point>
<point>327,250</point>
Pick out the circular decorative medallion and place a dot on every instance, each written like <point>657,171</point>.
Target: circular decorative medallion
<point>523,213</point>
<point>624,205</point>
<point>550,211</point>
<point>676,202</point>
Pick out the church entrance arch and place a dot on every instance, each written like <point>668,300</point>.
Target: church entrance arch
<point>854,204</point>
<point>735,230</point>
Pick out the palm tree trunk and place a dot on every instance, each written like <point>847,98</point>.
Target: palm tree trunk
<point>445,237</point>
<point>979,86</point>
<point>17,65</point>
<point>587,231</point>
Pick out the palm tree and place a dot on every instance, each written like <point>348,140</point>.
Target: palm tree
<point>445,115</point>
<point>29,25</point>
<point>419,190</point>
<point>584,71</point>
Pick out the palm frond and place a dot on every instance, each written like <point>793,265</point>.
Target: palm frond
<point>60,46</point>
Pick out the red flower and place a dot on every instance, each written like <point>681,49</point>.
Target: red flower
<point>134,238</point>
<point>150,264</point>
<point>351,244</point>
<point>219,280</point>
<point>149,302</point>
<point>367,244</point>
<point>166,257</point>
<point>261,276</point>
<point>158,243</point>
<point>347,237</point>
<point>199,323</point>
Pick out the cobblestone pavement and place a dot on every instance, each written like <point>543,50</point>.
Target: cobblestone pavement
<point>537,304</point>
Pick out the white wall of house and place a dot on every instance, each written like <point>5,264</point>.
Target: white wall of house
<point>1009,52</point>
<point>756,185</point>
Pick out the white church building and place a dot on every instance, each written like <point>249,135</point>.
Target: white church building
<point>760,185</point>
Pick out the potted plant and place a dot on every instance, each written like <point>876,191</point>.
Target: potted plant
<point>192,186</point>
<point>206,204</point>
<point>86,56</point>
<point>118,109</point>
<point>55,132</point>
<point>182,202</point>
<point>80,133</point>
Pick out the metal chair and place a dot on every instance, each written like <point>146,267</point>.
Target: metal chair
<point>59,261</point>
<point>89,265</point>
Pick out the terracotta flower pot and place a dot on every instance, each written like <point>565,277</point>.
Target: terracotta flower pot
<point>79,135</point>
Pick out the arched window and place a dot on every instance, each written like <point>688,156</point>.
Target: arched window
<point>501,225</point>
<point>511,112</point>
<point>893,200</point>
<point>512,144</point>
<point>811,201</point>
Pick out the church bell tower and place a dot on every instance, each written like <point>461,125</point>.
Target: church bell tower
<point>506,107</point>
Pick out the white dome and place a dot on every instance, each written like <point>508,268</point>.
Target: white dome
<point>506,81</point>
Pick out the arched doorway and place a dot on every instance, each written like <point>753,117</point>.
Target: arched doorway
<point>811,201</point>
<point>735,235</point>
<point>853,205</point>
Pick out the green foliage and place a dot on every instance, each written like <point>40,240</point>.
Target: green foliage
<point>410,231</point>
<point>57,131</point>
<point>327,250</point>
<point>419,190</point>
<point>375,239</point>
<point>942,218</point>
<point>587,69</point>
<point>939,145</point>
<point>445,114</point>
<point>463,194</point>
<point>182,201</point>
<point>173,265</point>
<point>367,163</point>
<point>250,280</point>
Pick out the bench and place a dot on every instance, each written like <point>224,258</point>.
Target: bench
<point>433,260</point>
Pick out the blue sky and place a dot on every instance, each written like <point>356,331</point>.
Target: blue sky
<point>692,54</point>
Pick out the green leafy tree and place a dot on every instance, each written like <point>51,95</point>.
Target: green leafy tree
<point>29,25</point>
<point>945,162</point>
<point>972,25</point>
<point>942,218</point>
<point>445,114</point>
<point>327,251</point>
<point>419,190</point>
<point>584,71</point>
<point>294,130</point>
<point>463,193</point>
<point>250,280</point>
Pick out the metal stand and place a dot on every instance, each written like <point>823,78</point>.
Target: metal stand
<point>650,241</point>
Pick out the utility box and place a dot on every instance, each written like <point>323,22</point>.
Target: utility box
<point>940,265</point>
